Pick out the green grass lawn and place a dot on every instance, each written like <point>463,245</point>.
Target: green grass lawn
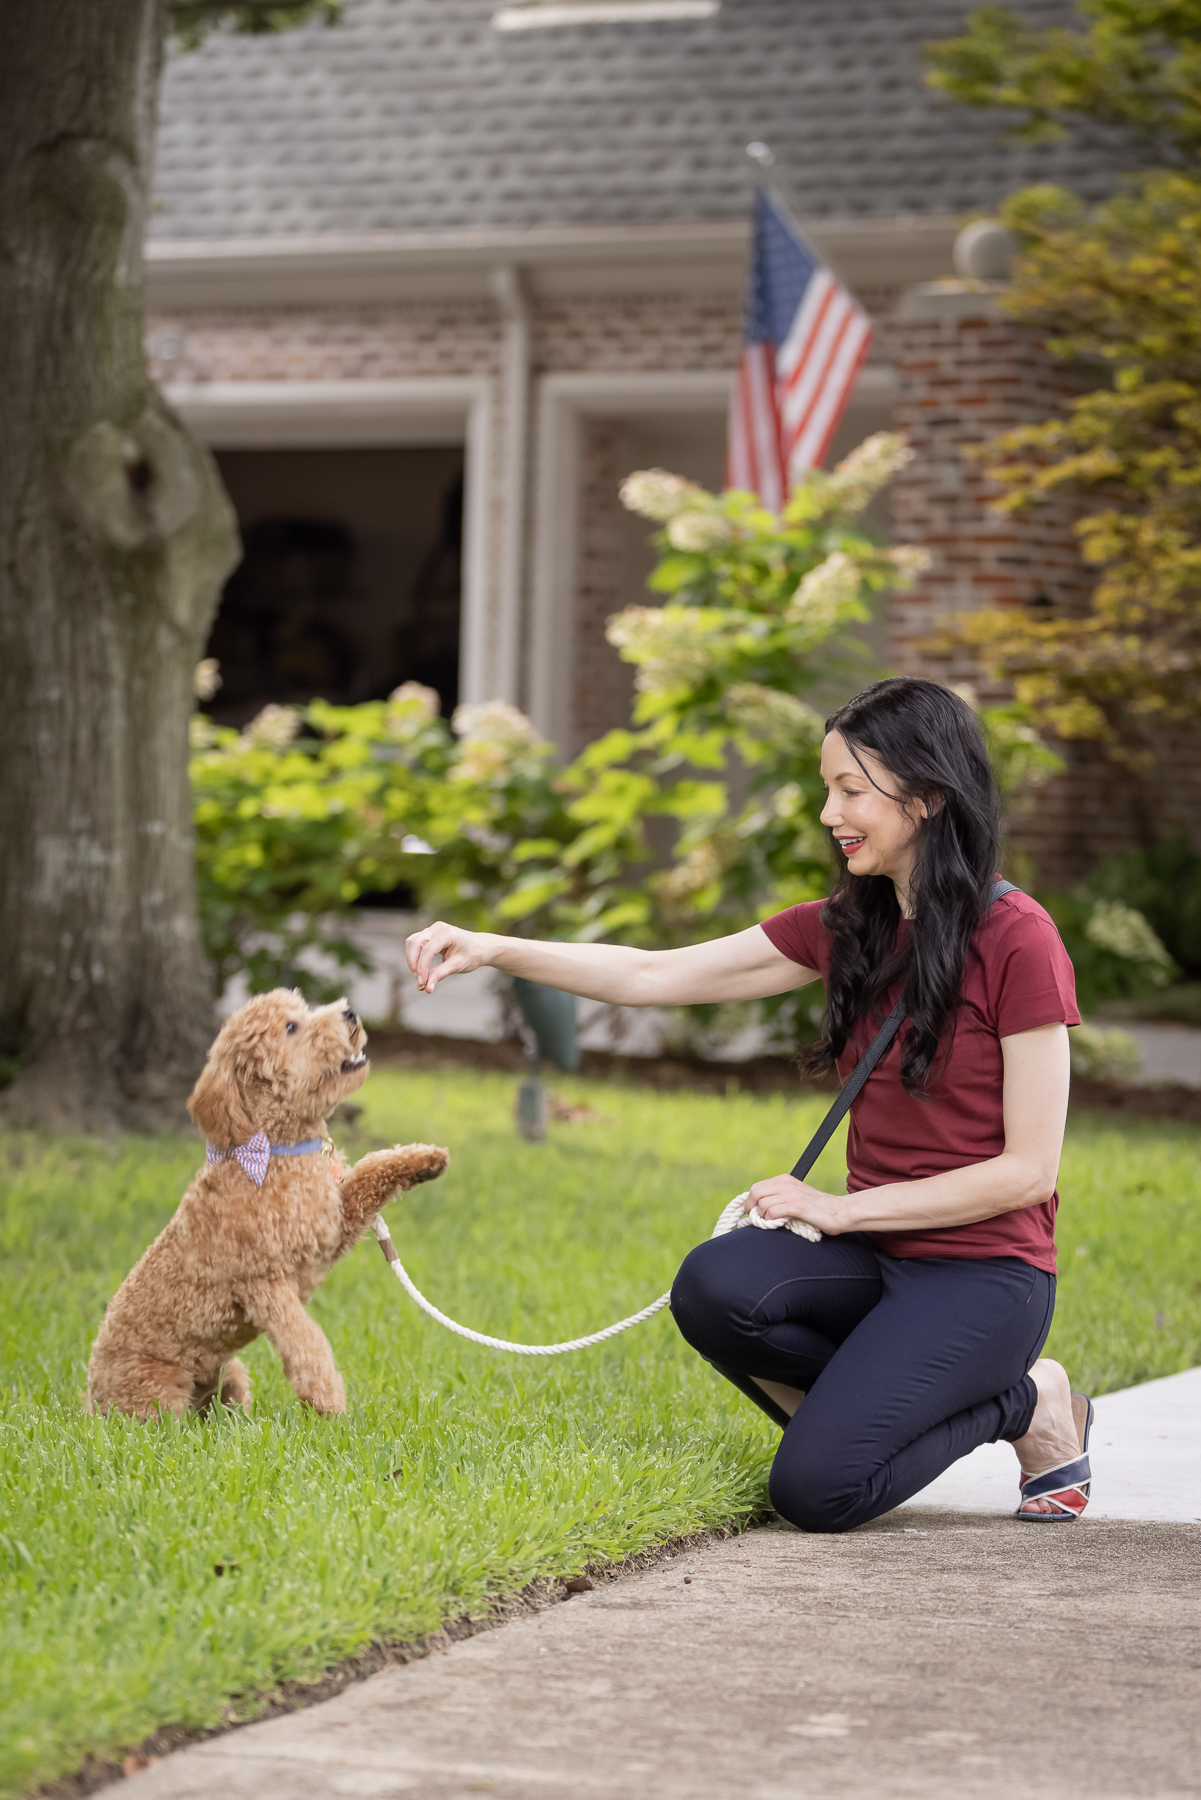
<point>456,1474</point>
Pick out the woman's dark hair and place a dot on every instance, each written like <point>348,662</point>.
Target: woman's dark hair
<point>930,742</point>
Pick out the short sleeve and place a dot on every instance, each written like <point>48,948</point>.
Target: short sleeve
<point>1031,975</point>
<point>800,935</point>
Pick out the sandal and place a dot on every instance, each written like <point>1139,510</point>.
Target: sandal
<point>1067,1486</point>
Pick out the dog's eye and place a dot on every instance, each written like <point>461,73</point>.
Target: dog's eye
<point>290,1026</point>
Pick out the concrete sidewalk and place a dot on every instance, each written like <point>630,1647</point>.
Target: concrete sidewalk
<point>1145,1451</point>
<point>946,1651</point>
<point>964,1658</point>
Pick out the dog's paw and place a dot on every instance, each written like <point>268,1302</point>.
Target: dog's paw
<point>235,1385</point>
<point>423,1162</point>
<point>326,1394</point>
<point>382,1173</point>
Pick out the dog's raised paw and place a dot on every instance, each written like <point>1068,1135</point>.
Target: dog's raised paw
<point>428,1161</point>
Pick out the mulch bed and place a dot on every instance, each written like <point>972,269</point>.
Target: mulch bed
<point>761,1075</point>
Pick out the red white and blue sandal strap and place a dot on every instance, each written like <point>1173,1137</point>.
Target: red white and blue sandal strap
<point>1066,1488</point>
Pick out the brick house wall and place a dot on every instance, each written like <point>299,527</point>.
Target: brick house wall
<point>964,373</point>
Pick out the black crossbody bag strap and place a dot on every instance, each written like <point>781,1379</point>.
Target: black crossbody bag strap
<point>863,1068</point>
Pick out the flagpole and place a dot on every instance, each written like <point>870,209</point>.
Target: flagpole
<point>763,161</point>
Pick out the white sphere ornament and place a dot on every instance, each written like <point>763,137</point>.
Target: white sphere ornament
<point>984,251</point>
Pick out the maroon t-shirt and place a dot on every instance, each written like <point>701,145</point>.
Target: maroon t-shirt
<point>1018,976</point>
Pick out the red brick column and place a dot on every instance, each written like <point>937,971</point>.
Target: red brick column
<point>966,373</point>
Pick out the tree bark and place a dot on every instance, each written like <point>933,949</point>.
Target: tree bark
<point>115,539</point>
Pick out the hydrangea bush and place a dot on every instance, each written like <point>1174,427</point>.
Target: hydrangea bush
<point>308,809</point>
<point>699,818</point>
<point>759,611</point>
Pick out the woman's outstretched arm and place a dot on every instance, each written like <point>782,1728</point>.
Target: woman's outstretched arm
<point>745,966</point>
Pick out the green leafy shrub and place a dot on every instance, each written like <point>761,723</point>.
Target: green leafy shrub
<point>1115,953</point>
<point>307,809</point>
<point>1100,1055</point>
<point>700,818</point>
<point>1164,884</point>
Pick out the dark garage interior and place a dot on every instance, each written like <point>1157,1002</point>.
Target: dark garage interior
<point>351,577</point>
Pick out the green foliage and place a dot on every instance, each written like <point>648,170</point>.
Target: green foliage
<point>1107,967</point>
<point>758,611</point>
<point>1164,884</point>
<point>294,824</point>
<point>456,1475</point>
<point>190,21</point>
<point>1136,67</point>
<point>1114,285</point>
<point>304,811</point>
<point>1098,1054</point>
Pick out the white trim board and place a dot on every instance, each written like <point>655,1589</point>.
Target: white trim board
<point>354,268</point>
<point>316,415</point>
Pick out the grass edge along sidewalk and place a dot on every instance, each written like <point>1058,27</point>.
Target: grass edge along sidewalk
<point>175,1575</point>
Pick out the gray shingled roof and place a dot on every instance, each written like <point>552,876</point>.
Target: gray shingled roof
<point>418,115</point>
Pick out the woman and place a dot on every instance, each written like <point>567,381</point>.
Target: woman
<point>911,1330</point>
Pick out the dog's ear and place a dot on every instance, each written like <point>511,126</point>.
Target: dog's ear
<point>218,1106</point>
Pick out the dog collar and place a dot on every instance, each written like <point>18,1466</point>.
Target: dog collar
<point>254,1155</point>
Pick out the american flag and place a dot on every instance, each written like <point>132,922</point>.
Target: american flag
<point>803,342</point>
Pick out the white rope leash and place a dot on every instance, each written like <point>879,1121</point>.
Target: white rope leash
<point>730,1218</point>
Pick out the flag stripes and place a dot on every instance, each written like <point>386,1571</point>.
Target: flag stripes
<point>804,343</point>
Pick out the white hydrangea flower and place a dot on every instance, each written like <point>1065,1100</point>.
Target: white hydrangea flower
<point>494,722</point>
<point>416,700</point>
<point>766,712</point>
<point>861,475</point>
<point>825,590</point>
<point>672,645</point>
<point>909,561</point>
<point>273,729</point>
<point>656,494</point>
<point>494,738</point>
<point>206,678</point>
<point>696,530</point>
<point>1125,932</point>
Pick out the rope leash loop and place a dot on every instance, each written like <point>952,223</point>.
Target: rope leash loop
<point>731,1218</point>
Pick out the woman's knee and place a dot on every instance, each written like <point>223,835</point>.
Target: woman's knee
<point>704,1298</point>
<point>814,1498</point>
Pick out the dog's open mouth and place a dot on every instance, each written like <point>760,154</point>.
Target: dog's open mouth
<point>351,1063</point>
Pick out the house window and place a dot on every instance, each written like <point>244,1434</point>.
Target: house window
<point>350,579</point>
<point>532,15</point>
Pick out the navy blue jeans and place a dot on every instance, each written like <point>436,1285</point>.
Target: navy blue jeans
<point>906,1364</point>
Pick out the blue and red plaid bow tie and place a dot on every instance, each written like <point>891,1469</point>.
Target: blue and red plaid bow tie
<point>253,1155</point>
<point>256,1153</point>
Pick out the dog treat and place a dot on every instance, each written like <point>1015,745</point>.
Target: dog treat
<point>261,1225</point>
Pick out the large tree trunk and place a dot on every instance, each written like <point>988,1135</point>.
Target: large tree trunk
<point>115,538</point>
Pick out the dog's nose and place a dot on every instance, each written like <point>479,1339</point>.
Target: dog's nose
<point>352,1018</point>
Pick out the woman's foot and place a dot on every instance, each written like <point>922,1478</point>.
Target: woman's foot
<point>1056,1433</point>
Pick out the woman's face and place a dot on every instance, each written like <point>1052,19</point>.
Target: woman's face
<point>875,832</point>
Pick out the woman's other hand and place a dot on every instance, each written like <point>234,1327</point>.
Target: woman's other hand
<point>461,952</point>
<point>784,1197</point>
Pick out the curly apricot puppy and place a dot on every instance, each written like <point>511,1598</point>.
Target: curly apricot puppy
<point>260,1226</point>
